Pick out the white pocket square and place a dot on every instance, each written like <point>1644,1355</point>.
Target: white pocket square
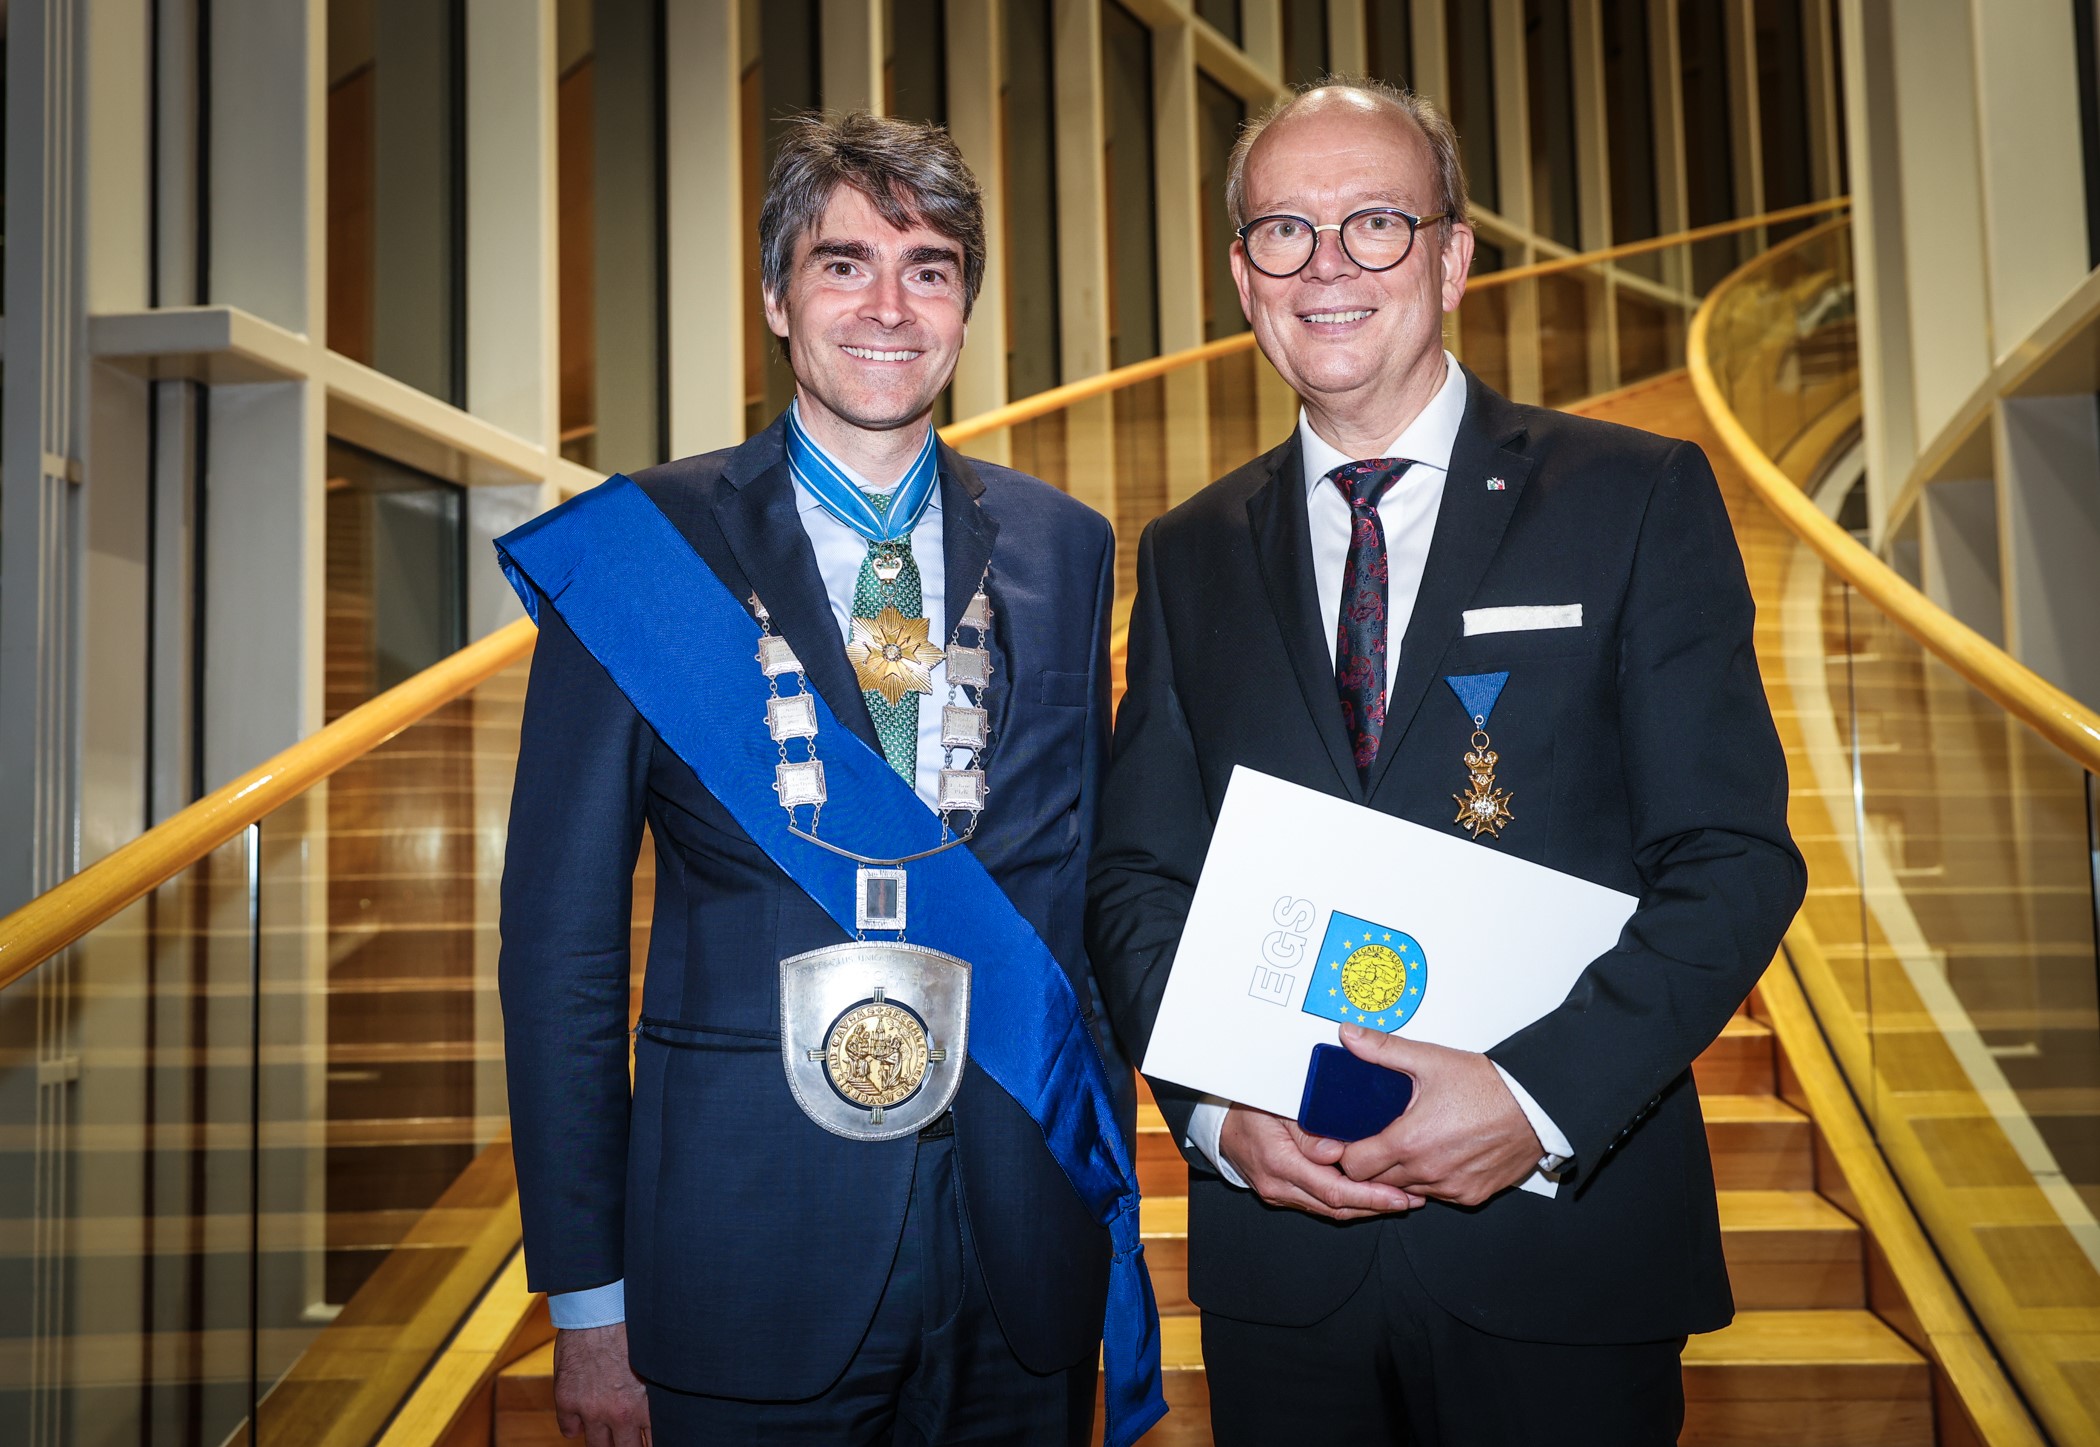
<point>1523,619</point>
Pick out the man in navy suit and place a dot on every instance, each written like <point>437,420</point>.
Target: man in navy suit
<point>1519,1257</point>
<point>720,1267</point>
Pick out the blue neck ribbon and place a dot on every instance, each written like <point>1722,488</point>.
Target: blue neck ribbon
<point>1477,692</point>
<point>842,498</point>
<point>675,641</point>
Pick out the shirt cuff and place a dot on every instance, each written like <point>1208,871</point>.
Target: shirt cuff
<point>599,1306</point>
<point>1559,1149</point>
<point>1205,1123</point>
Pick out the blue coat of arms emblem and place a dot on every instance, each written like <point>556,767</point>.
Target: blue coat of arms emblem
<point>1369,974</point>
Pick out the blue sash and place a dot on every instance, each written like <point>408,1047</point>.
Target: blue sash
<point>684,652</point>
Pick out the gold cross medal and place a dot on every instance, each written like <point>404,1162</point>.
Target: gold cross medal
<point>891,655</point>
<point>1482,808</point>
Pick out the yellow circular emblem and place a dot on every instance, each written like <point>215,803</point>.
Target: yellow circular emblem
<point>876,1054</point>
<point>1374,977</point>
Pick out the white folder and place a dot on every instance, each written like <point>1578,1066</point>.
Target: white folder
<point>1300,887</point>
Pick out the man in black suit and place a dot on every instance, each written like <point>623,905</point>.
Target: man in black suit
<point>1520,1256</point>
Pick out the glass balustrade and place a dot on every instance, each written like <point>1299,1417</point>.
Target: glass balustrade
<point>260,1150</point>
<point>130,1304</point>
<point>1947,943</point>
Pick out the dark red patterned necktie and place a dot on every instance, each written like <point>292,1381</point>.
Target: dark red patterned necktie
<point>1359,635</point>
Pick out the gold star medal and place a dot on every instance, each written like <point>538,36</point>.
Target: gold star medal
<point>892,656</point>
<point>1482,808</point>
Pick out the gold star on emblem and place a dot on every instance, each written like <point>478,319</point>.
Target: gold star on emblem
<point>1359,1019</point>
<point>892,656</point>
<point>1389,935</point>
<point>1330,989</point>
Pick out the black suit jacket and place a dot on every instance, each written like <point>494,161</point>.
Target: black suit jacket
<point>754,1244</point>
<point>1640,754</point>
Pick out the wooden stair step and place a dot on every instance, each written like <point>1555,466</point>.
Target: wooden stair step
<point>1182,1384</point>
<point>1785,1250</point>
<point>1163,1222</point>
<point>1161,1169</point>
<point>1740,1062</point>
<point>1828,1378</point>
<point>1791,1250</point>
<point>1798,1378</point>
<point>1758,1143</point>
<point>1831,1378</point>
<point>525,1402</point>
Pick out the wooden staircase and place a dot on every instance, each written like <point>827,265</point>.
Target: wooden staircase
<point>1805,1364</point>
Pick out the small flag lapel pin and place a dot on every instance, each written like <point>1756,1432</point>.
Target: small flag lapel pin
<point>1496,484</point>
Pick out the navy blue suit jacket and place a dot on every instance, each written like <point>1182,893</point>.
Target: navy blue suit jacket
<point>754,1244</point>
<point>1640,754</point>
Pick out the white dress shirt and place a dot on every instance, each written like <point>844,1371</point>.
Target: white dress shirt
<point>840,553</point>
<point>1407,512</point>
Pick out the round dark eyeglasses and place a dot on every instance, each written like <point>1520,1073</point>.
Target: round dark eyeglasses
<point>1377,238</point>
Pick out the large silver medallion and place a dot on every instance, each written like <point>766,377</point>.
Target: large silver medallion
<point>873,1034</point>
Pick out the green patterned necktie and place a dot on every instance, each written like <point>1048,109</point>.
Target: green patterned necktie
<point>897,725</point>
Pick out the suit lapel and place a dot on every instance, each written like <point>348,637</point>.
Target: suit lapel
<point>968,533</point>
<point>1283,551</point>
<point>759,519</point>
<point>1470,522</point>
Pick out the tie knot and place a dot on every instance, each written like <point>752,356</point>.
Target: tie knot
<point>880,501</point>
<point>1364,483</point>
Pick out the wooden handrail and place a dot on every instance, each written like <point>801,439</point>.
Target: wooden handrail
<point>54,919</point>
<point>1658,243</point>
<point>2048,710</point>
<point>61,915</point>
<point>1056,399</point>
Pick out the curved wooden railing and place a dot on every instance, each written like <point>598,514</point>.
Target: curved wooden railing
<point>63,914</point>
<point>1828,1037</point>
<point>2058,717</point>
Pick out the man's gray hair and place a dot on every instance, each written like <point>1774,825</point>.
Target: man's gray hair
<point>910,172</point>
<point>1428,117</point>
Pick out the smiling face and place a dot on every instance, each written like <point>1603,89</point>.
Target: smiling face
<point>1363,348</point>
<point>873,318</point>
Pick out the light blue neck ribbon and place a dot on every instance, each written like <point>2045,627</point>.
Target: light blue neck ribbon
<point>842,497</point>
<point>672,638</point>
